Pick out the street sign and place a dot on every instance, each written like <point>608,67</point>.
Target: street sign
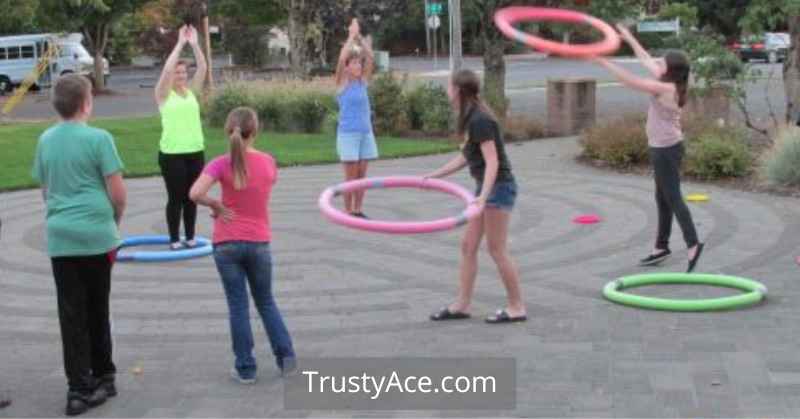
<point>660,26</point>
<point>434,9</point>
<point>434,22</point>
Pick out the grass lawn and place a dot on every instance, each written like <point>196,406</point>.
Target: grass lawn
<point>137,142</point>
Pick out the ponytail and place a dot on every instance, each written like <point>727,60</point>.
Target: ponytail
<point>241,127</point>
<point>238,159</point>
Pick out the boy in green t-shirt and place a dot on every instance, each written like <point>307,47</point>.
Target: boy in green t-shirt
<point>81,176</point>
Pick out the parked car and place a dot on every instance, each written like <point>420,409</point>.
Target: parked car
<point>771,46</point>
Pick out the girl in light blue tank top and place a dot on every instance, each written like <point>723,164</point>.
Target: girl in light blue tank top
<point>355,141</point>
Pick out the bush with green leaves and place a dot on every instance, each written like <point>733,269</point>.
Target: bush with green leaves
<point>307,112</point>
<point>281,106</point>
<point>225,99</point>
<point>429,108</point>
<point>781,164</point>
<point>718,152</point>
<point>622,143</point>
<point>388,104</point>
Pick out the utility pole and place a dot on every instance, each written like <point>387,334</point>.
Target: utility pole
<point>427,31</point>
<point>455,36</point>
<point>207,36</point>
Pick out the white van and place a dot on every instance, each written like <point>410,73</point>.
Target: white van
<point>20,54</point>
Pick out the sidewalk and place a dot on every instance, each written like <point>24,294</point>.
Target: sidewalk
<point>354,294</point>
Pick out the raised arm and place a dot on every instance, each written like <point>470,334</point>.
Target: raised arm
<point>653,87</point>
<point>165,81</point>
<point>348,45</point>
<point>644,57</point>
<point>202,65</point>
<point>369,57</point>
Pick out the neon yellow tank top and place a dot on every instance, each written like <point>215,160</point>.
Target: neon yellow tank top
<point>182,130</point>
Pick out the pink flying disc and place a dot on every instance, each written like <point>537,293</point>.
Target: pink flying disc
<point>398,227</point>
<point>587,219</point>
<point>505,19</point>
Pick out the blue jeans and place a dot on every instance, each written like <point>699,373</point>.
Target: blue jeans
<point>239,264</point>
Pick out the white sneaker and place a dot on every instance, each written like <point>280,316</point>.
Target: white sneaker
<point>176,246</point>
<point>235,375</point>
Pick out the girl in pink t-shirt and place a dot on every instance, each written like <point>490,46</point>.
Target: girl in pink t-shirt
<point>242,241</point>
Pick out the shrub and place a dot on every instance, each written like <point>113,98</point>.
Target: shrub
<point>782,162</point>
<point>307,112</point>
<point>282,105</point>
<point>272,112</point>
<point>521,127</point>
<point>621,143</point>
<point>429,108</point>
<point>718,152</point>
<point>388,104</point>
<point>225,99</point>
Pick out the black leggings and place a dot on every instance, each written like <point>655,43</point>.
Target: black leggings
<point>180,171</point>
<point>667,167</point>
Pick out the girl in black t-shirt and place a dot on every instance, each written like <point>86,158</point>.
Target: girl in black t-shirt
<point>484,153</point>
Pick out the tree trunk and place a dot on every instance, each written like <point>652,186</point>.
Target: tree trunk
<point>494,75</point>
<point>99,71</point>
<point>298,54</point>
<point>791,71</point>
<point>97,38</point>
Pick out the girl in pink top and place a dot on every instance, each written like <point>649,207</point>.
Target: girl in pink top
<point>242,241</point>
<point>667,90</point>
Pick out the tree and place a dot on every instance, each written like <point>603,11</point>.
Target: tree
<point>94,18</point>
<point>494,44</point>
<point>762,15</point>
<point>722,15</point>
<point>20,16</point>
<point>315,25</point>
<point>687,14</point>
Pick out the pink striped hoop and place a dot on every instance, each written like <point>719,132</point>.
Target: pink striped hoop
<point>505,18</point>
<point>398,227</point>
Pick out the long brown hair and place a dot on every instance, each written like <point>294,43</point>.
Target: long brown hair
<point>241,126</point>
<point>468,86</point>
<point>678,70</point>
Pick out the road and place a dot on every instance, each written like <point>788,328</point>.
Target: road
<point>526,80</point>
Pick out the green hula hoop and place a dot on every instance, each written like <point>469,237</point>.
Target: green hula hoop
<point>755,292</point>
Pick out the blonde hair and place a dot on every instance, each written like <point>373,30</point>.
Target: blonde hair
<point>241,126</point>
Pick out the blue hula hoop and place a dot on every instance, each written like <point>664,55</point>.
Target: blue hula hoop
<point>203,248</point>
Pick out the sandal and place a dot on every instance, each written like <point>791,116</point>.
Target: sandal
<point>502,317</point>
<point>446,314</point>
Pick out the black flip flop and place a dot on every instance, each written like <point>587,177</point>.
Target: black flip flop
<point>446,314</point>
<point>502,317</point>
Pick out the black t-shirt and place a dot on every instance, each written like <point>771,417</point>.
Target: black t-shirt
<point>481,127</point>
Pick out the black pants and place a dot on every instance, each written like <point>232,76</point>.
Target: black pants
<point>667,165</point>
<point>83,284</point>
<point>180,171</point>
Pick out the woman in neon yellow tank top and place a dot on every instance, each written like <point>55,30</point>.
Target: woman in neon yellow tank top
<point>181,150</point>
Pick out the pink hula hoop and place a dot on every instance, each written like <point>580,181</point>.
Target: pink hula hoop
<point>397,227</point>
<point>505,18</point>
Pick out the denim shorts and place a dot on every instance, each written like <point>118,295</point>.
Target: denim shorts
<point>503,196</point>
<point>356,146</point>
